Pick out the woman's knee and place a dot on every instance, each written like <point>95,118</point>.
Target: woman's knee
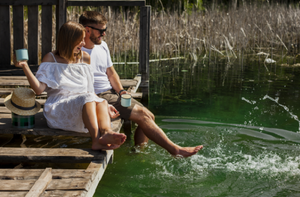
<point>88,105</point>
<point>104,103</point>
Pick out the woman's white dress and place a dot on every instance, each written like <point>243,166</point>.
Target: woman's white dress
<point>69,87</point>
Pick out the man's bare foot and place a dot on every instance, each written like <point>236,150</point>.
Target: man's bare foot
<point>98,146</point>
<point>111,137</point>
<point>188,151</point>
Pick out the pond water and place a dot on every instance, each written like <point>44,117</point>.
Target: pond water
<point>246,118</point>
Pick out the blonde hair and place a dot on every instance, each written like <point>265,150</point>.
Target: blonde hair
<point>70,34</point>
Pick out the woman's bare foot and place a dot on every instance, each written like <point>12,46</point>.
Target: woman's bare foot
<point>111,137</point>
<point>187,151</point>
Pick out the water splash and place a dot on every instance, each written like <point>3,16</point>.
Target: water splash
<point>293,116</point>
<point>230,153</point>
<point>248,101</point>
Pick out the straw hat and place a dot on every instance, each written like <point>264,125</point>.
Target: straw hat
<point>22,102</point>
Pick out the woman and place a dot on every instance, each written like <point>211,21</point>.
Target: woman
<point>66,76</point>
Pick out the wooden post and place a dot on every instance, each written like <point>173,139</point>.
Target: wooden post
<point>5,35</point>
<point>33,15</point>
<point>61,11</point>
<point>18,23</point>
<point>46,29</point>
<point>144,48</point>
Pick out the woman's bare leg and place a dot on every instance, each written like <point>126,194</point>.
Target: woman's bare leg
<point>89,117</point>
<point>108,136</point>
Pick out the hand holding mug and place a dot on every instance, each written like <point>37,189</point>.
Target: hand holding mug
<point>20,58</point>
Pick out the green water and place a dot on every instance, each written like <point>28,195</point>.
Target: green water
<point>246,118</point>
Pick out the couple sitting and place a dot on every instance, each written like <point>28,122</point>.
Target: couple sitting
<point>83,89</point>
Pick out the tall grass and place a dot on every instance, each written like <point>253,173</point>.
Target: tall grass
<point>272,29</point>
<point>250,29</point>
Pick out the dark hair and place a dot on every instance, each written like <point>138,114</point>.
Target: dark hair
<point>92,17</point>
<point>70,34</point>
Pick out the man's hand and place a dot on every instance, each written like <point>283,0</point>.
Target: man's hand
<point>124,92</point>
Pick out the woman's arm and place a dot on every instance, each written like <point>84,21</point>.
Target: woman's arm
<point>35,84</point>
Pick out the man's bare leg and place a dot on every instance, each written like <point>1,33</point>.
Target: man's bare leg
<point>89,117</point>
<point>139,137</point>
<point>108,136</point>
<point>145,119</point>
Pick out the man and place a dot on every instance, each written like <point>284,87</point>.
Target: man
<point>108,86</point>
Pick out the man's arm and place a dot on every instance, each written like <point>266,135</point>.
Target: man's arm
<point>114,79</point>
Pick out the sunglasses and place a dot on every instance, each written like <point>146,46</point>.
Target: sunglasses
<point>101,31</point>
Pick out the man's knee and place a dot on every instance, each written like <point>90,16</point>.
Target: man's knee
<point>140,113</point>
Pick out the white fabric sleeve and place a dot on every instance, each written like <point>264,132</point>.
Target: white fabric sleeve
<point>45,75</point>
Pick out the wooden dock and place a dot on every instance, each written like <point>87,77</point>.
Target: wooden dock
<point>53,182</point>
<point>47,181</point>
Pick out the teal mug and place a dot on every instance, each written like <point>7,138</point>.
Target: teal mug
<point>21,54</point>
<point>126,100</point>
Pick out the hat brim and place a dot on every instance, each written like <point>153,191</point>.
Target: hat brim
<point>8,105</point>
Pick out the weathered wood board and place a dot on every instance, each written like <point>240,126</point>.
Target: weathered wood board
<point>54,155</point>
<point>62,182</point>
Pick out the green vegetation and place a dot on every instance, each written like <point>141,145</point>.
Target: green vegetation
<point>201,30</point>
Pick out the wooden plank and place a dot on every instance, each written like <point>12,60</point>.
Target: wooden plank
<point>41,127</point>
<point>46,29</point>
<point>6,91</point>
<point>14,82</point>
<point>31,2</point>
<point>69,184</point>
<point>16,71</point>
<point>13,194</point>
<point>25,174</point>
<point>105,3</point>
<point>5,50</point>
<point>132,89</point>
<point>54,155</point>
<point>55,193</point>
<point>18,27</point>
<point>55,184</point>
<point>33,15</point>
<point>64,193</point>
<point>99,168</point>
<point>128,82</point>
<point>40,185</point>
<point>13,77</point>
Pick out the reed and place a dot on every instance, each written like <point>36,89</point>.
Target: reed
<point>196,34</point>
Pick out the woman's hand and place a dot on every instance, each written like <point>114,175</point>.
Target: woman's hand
<point>19,64</point>
<point>112,111</point>
<point>38,87</point>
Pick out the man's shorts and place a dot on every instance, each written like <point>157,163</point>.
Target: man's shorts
<point>114,99</point>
